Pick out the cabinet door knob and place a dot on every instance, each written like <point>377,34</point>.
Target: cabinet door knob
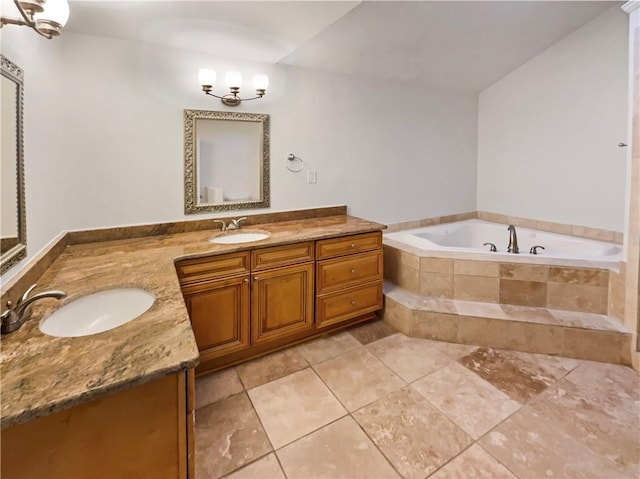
<point>353,245</point>
<point>255,278</point>
<point>246,280</point>
<point>353,270</point>
<point>354,302</point>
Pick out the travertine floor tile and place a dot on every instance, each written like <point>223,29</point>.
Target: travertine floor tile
<point>618,384</point>
<point>358,378</point>
<point>295,405</point>
<point>413,434</point>
<point>453,350</point>
<point>339,450</point>
<point>228,435</point>
<point>595,421</point>
<point>371,331</point>
<point>550,368</point>
<point>519,375</point>
<point>266,467</point>
<point>531,446</point>
<point>268,368</point>
<point>410,358</point>
<point>216,386</point>
<point>460,394</point>
<point>598,405</point>
<point>327,347</point>
<point>474,463</point>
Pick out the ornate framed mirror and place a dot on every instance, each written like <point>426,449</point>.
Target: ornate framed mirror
<point>226,161</point>
<point>13,226</point>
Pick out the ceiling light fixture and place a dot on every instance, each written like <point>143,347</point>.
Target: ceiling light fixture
<point>47,17</point>
<point>207,79</point>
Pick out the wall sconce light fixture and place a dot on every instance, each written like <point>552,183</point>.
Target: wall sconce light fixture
<point>207,79</point>
<point>47,17</point>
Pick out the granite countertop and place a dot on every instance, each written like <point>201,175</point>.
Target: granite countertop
<point>41,374</point>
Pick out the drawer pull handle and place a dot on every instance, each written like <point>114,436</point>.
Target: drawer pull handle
<point>353,245</point>
<point>353,270</point>
<point>354,302</point>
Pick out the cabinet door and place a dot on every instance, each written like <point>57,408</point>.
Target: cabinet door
<point>219,312</point>
<point>281,302</point>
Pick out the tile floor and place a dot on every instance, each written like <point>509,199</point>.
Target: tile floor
<point>373,403</point>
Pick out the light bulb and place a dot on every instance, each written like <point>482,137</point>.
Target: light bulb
<point>56,11</point>
<point>234,79</point>
<point>260,82</point>
<point>207,76</point>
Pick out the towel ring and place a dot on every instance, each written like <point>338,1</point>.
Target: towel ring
<point>290,159</point>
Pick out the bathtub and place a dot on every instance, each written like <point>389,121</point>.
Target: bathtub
<point>465,239</point>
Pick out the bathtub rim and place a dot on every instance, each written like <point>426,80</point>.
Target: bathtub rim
<point>499,257</point>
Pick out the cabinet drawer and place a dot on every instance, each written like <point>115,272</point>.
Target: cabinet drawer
<point>202,269</point>
<point>330,248</point>
<point>335,307</point>
<point>339,273</point>
<point>267,258</point>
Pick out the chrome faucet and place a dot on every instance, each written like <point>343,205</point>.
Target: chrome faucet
<point>13,318</point>
<point>224,225</point>
<point>235,223</point>
<point>513,240</point>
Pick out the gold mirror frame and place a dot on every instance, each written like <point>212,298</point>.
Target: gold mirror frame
<point>191,204</point>
<point>11,257</point>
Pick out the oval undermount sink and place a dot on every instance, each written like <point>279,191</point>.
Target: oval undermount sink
<point>244,237</point>
<point>97,312</point>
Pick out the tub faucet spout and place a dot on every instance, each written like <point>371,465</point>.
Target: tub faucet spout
<point>513,240</point>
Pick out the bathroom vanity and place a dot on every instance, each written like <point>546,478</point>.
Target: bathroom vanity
<point>245,304</point>
<point>120,403</point>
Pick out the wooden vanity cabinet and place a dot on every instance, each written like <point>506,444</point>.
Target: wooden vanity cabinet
<point>281,291</point>
<point>349,278</point>
<point>243,305</point>
<point>217,296</point>
<point>142,432</point>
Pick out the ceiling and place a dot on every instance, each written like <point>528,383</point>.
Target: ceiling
<point>441,44</point>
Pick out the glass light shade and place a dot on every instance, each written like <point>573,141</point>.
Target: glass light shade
<point>234,79</point>
<point>260,82</point>
<point>55,11</point>
<point>206,76</point>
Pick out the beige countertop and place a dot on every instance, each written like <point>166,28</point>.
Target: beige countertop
<point>41,374</point>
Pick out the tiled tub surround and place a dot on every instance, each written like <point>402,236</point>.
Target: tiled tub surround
<point>520,328</point>
<point>542,308</point>
<point>42,374</point>
<point>432,273</point>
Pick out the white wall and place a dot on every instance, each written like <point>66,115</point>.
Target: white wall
<point>548,131</point>
<point>43,143</point>
<point>390,154</point>
<point>104,137</point>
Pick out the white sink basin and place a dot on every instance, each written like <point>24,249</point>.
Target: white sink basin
<point>234,238</point>
<point>97,312</point>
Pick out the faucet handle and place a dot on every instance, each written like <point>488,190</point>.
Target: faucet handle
<point>236,222</point>
<point>492,247</point>
<point>224,225</point>
<point>26,294</point>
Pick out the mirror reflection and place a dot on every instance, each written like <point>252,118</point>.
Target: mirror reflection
<point>12,209</point>
<point>226,161</point>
